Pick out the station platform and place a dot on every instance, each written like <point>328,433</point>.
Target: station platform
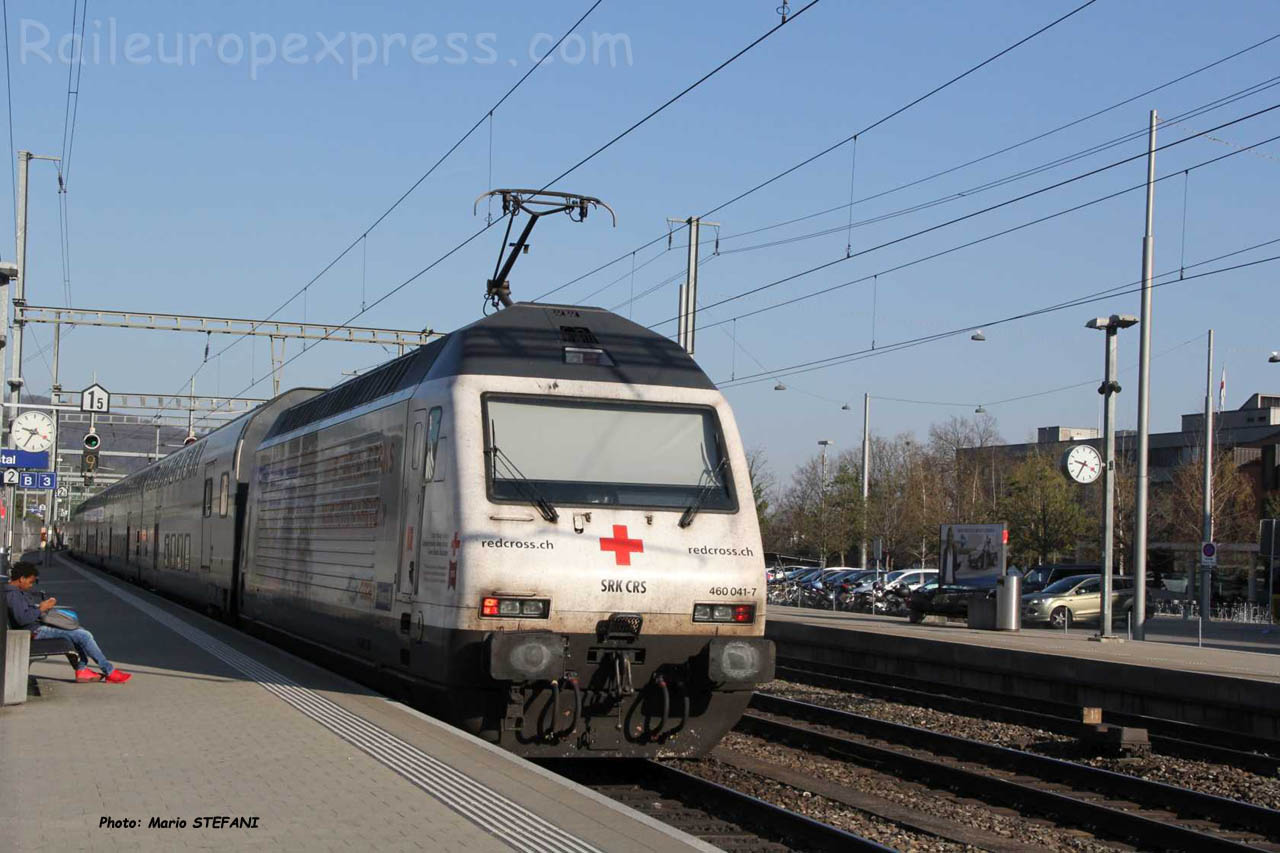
<point>216,725</point>
<point>1234,686</point>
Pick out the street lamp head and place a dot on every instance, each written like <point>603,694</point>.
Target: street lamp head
<point>979,410</point>
<point>978,336</point>
<point>846,406</point>
<point>825,441</point>
<point>1117,321</point>
<point>779,387</point>
<point>1275,358</point>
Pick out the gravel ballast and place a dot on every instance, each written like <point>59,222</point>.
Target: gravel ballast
<point>1207,777</point>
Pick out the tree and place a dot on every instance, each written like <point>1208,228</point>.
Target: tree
<point>1043,511</point>
<point>1179,508</point>
<point>762,487</point>
<point>1271,505</point>
<point>968,479</point>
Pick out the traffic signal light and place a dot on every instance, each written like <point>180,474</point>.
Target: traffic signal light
<point>89,462</point>
<point>92,441</point>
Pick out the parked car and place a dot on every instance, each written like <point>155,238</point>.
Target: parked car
<point>1077,598</point>
<point>911,579</point>
<point>948,599</point>
<point>1041,576</point>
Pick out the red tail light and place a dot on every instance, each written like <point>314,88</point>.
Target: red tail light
<point>744,613</point>
<point>489,607</point>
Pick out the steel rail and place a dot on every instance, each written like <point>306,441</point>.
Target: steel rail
<point>1169,737</point>
<point>724,804</point>
<point>1027,788</point>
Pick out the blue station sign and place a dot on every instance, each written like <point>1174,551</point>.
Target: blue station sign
<point>11,458</point>
<point>38,480</point>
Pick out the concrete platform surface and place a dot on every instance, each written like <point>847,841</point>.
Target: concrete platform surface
<point>1238,650</point>
<point>216,723</point>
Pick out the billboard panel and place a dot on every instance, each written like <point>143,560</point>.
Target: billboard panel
<point>971,550</point>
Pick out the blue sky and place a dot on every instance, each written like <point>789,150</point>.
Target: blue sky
<point>222,185</point>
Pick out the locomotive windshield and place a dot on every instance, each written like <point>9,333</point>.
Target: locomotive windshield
<point>599,452</point>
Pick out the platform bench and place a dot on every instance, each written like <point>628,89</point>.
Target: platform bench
<point>15,661</point>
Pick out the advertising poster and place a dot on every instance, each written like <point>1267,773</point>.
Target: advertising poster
<point>971,551</point>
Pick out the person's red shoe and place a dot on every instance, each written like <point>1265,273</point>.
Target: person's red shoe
<point>87,674</point>
<point>118,676</point>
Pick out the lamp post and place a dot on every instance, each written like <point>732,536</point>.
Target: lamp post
<point>866,475</point>
<point>1109,389</point>
<point>822,504</point>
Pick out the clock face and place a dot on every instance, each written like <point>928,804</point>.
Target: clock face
<point>33,431</point>
<point>1083,463</point>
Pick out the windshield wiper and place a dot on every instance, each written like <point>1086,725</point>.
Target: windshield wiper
<point>686,518</point>
<point>524,484</point>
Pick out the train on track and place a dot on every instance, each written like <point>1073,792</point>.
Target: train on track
<point>539,527</point>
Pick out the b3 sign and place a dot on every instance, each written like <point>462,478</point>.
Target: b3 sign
<point>37,480</point>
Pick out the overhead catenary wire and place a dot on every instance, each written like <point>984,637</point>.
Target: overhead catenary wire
<point>1027,396</point>
<point>967,244</point>
<point>837,145</point>
<point>966,193</point>
<point>969,192</point>
<point>983,211</point>
<point>909,343</point>
<point>598,151</point>
<point>414,186</point>
<point>1201,109</point>
<point>1217,103</point>
<point>1004,150</point>
<point>75,69</point>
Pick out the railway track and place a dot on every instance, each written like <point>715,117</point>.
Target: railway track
<point>1108,804</point>
<point>1169,737</point>
<point>722,817</point>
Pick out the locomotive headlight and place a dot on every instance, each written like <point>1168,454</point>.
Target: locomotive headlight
<point>514,608</point>
<point>740,613</point>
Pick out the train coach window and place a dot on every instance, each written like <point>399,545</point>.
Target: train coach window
<point>433,440</point>
<point>208,496</point>
<point>224,494</point>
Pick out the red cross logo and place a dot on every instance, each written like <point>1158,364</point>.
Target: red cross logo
<point>621,546</point>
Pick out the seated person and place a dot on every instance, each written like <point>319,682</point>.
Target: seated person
<point>25,613</point>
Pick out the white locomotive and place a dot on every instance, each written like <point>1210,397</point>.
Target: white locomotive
<point>540,527</point>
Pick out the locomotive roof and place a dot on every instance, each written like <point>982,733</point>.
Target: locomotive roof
<point>528,339</point>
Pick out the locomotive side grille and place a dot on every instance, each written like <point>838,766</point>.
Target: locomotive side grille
<point>387,379</point>
<point>578,335</point>
<point>622,626</point>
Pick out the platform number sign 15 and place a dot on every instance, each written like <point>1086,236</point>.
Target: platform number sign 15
<point>95,399</point>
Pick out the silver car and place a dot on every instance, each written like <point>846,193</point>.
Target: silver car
<point>1076,599</point>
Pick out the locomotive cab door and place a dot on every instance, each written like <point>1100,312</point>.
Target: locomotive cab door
<point>410,529</point>
<point>205,557</point>
<point>411,502</point>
